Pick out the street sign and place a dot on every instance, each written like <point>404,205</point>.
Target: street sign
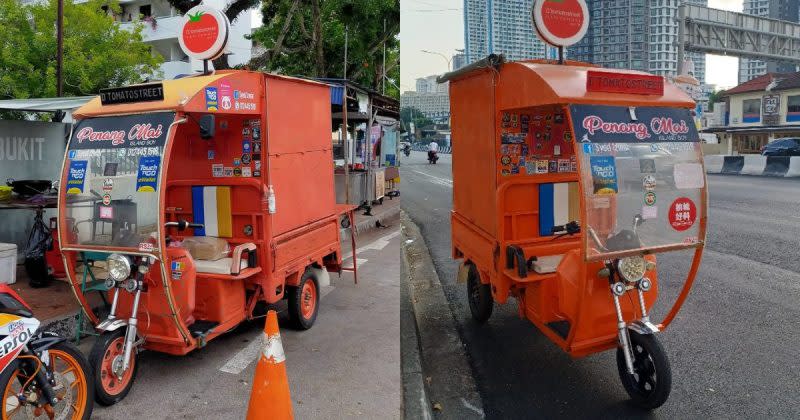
<point>770,108</point>
<point>560,22</point>
<point>204,33</point>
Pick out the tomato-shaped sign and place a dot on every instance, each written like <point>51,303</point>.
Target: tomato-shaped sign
<point>204,33</point>
<point>560,22</point>
<point>682,214</point>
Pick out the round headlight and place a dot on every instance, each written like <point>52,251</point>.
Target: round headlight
<point>119,267</point>
<point>632,268</point>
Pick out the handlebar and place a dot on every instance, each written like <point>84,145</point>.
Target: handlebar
<point>183,224</point>
<point>571,228</point>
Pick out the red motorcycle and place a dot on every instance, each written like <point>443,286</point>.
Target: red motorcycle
<point>41,373</point>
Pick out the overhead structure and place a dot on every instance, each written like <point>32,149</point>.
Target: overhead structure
<point>714,31</point>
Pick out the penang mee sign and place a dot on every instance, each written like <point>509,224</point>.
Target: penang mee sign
<point>617,124</point>
<point>144,130</point>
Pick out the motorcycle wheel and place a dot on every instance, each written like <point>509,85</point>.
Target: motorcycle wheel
<point>304,302</point>
<point>108,350</point>
<point>71,373</point>
<point>651,383</point>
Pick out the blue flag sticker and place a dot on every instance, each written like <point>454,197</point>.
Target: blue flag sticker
<point>147,177</point>
<point>604,174</point>
<point>76,176</point>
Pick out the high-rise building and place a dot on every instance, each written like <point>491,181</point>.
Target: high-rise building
<point>636,34</point>
<point>500,26</point>
<point>429,85</point>
<point>459,59</point>
<point>776,9</point>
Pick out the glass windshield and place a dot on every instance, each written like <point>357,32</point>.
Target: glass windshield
<point>642,177</point>
<point>113,167</point>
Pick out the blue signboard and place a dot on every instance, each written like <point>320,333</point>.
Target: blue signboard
<point>618,124</point>
<point>147,176</point>
<point>76,176</point>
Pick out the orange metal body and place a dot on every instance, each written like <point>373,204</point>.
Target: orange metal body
<point>295,120</point>
<point>492,210</point>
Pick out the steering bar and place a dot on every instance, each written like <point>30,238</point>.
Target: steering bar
<point>183,224</point>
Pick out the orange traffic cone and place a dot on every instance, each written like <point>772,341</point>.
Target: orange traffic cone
<point>270,398</point>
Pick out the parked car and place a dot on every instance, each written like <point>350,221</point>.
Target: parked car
<point>782,147</point>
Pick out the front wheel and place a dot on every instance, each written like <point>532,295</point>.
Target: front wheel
<point>111,384</point>
<point>650,384</point>
<point>304,301</point>
<point>72,388</point>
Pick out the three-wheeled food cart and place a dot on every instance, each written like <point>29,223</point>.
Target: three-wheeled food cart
<point>567,181</point>
<point>207,197</point>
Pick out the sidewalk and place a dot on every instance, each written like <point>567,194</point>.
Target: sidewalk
<point>380,213</point>
<point>346,366</point>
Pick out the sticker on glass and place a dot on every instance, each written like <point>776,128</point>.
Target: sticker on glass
<point>604,174</point>
<point>647,166</point>
<point>76,176</point>
<point>650,198</point>
<point>688,175</point>
<point>106,212</point>
<point>649,212</point>
<point>682,213</point>
<point>649,182</point>
<point>147,177</point>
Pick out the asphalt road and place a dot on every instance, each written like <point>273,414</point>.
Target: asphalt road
<point>734,348</point>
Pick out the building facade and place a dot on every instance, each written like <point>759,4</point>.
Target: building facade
<point>429,85</point>
<point>788,10</point>
<point>760,111</point>
<point>500,27</point>
<point>636,34</point>
<point>459,60</point>
<point>434,105</point>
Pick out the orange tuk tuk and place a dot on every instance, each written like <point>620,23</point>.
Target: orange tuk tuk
<point>568,180</point>
<point>207,198</point>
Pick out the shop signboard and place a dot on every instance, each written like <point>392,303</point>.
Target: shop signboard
<point>770,109</point>
<point>560,22</point>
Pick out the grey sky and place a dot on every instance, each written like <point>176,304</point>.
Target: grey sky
<point>438,25</point>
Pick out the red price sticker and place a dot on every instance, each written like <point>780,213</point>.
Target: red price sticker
<point>682,213</point>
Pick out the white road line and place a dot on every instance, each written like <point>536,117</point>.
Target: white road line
<point>244,357</point>
<point>435,179</point>
<point>377,244</point>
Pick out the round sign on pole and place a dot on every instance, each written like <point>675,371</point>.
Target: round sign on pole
<point>560,22</point>
<point>204,33</point>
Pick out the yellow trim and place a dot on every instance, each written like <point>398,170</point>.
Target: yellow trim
<point>224,212</point>
<point>6,318</point>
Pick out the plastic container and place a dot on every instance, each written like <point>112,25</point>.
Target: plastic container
<point>5,192</point>
<point>8,263</point>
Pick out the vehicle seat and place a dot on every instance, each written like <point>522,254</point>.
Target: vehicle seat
<point>547,264</point>
<point>239,260</point>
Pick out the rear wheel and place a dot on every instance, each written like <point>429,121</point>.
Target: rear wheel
<point>111,384</point>
<point>72,389</point>
<point>304,301</point>
<point>650,384</point>
<point>479,296</point>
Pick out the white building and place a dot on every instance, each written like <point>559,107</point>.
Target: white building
<point>434,105</point>
<point>162,25</point>
<point>429,85</point>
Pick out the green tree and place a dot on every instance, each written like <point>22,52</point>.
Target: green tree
<point>715,96</point>
<point>97,52</point>
<point>410,114</point>
<point>307,38</point>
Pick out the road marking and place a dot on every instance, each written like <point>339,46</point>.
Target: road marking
<point>377,244</point>
<point>435,179</point>
<point>244,357</point>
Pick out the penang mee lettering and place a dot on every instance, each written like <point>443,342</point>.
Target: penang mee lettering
<point>658,126</point>
<point>118,137</point>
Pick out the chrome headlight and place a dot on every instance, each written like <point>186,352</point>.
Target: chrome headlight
<point>119,267</point>
<point>632,268</point>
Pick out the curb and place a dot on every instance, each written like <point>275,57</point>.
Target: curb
<point>369,223</point>
<point>756,165</point>
<point>450,383</point>
<point>415,404</point>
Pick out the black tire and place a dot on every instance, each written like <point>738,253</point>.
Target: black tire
<point>479,296</point>
<point>96,357</point>
<point>650,386</point>
<point>297,299</point>
<point>76,354</point>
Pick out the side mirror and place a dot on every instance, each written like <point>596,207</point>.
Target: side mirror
<point>207,126</point>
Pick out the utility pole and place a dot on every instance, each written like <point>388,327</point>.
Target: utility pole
<point>383,67</point>
<point>345,130</point>
<point>60,49</point>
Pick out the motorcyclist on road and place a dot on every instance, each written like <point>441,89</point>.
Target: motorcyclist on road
<point>433,150</point>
